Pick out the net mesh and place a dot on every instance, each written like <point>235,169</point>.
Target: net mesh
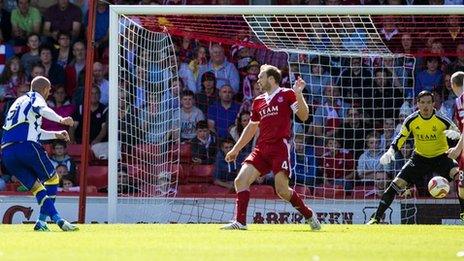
<point>360,87</point>
<point>148,116</point>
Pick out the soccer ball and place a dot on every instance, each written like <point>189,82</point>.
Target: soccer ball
<point>438,187</point>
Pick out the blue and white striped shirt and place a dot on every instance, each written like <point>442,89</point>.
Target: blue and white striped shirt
<point>24,119</point>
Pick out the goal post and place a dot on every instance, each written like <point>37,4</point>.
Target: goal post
<point>323,44</point>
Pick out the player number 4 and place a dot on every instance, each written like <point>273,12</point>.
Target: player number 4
<point>285,165</point>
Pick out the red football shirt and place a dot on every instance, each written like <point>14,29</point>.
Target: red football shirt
<point>459,112</point>
<point>274,113</point>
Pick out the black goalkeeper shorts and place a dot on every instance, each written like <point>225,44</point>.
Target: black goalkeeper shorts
<point>418,167</point>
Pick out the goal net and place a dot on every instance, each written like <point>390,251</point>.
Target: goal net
<point>361,75</point>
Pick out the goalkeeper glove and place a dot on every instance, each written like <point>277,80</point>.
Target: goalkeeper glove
<point>452,134</point>
<point>387,157</point>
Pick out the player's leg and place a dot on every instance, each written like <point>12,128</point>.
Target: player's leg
<point>460,186</point>
<point>47,207</point>
<point>282,169</point>
<point>397,186</point>
<point>51,186</point>
<point>44,170</point>
<point>246,176</point>
<point>455,175</point>
<point>286,193</point>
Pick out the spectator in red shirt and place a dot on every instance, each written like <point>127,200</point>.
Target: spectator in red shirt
<point>337,165</point>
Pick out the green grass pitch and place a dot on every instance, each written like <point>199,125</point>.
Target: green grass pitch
<point>207,242</point>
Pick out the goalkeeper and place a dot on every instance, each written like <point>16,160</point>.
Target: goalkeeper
<point>430,132</point>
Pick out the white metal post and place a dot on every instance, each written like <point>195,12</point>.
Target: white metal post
<point>113,118</point>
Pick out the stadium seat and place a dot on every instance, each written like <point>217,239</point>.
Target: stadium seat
<point>97,176</point>
<point>262,191</point>
<point>13,186</point>
<point>303,191</point>
<point>146,190</point>
<point>192,190</point>
<point>75,151</point>
<point>185,153</point>
<point>184,172</point>
<point>48,148</point>
<point>91,189</point>
<point>98,162</point>
<point>364,192</point>
<point>216,191</point>
<point>135,171</point>
<point>201,173</point>
<point>334,192</point>
<point>146,153</point>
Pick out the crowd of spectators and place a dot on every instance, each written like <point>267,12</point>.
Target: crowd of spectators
<point>357,102</point>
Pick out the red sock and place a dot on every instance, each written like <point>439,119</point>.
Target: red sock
<point>300,205</point>
<point>241,205</point>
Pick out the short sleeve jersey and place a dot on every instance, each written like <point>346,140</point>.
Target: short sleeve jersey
<point>459,112</point>
<point>274,114</point>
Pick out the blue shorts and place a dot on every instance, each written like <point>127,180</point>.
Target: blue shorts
<point>28,162</point>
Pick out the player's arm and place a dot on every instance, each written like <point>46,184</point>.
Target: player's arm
<point>302,109</point>
<point>51,135</point>
<point>51,115</point>
<point>455,151</point>
<point>40,107</point>
<point>453,133</point>
<point>401,138</point>
<point>397,143</point>
<point>247,134</point>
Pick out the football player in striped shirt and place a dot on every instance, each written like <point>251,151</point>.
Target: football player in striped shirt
<point>23,155</point>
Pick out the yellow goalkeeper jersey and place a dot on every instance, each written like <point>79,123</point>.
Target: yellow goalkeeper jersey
<point>429,139</point>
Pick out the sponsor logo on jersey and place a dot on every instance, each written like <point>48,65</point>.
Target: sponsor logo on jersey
<point>425,137</point>
<point>268,111</point>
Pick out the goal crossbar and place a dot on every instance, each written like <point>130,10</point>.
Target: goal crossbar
<point>116,11</point>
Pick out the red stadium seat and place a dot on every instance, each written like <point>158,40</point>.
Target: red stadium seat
<point>364,192</point>
<point>97,176</point>
<point>185,153</point>
<point>75,151</point>
<point>184,172</point>
<point>262,191</point>
<point>135,171</point>
<point>192,190</point>
<point>336,192</point>
<point>218,191</point>
<point>201,173</point>
<point>146,190</point>
<point>91,189</point>
<point>48,148</point>
<point>12,186</point>
<point>302,191</point>
<point>146,153</point>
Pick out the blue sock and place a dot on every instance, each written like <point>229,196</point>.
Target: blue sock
<point>42,216</point>
<point>47,207</point>
<point>56,218</point>
<point>51,191</point>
